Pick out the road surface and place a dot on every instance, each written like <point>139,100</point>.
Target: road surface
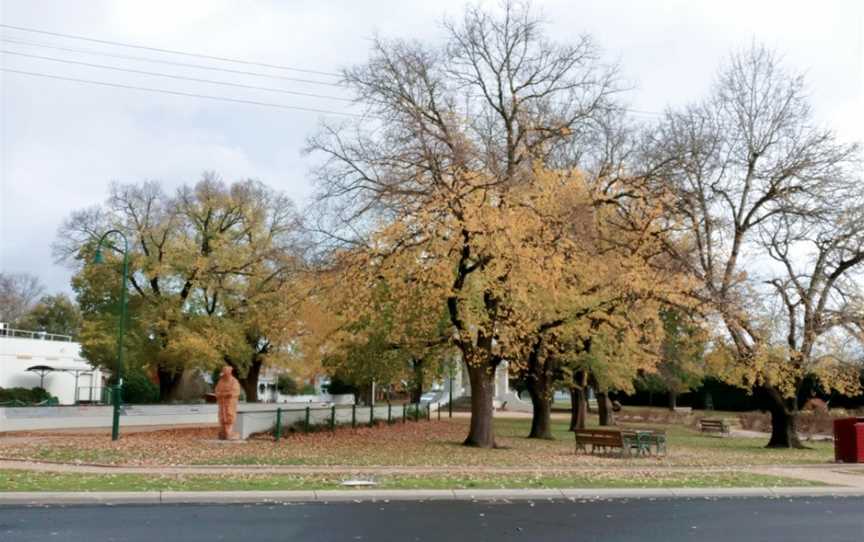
<point>661,520</point>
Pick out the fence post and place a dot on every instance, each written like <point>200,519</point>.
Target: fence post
<point>354,415</point>
<point>333,418</point>
<point>306,423</point>
<point>278,432</point>
<point>439,411</point>
<point>389,413</point>
<point>404,412</point>
<point>372,413</point>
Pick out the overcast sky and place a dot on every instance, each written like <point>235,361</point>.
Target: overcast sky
<point>63,142</point>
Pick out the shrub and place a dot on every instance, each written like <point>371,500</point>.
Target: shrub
<point>29,396</point>
<point>338,386</point>
<point>287,385</point>
<point>138,389</point>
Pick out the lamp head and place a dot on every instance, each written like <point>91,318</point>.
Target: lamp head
<point>97,258</point>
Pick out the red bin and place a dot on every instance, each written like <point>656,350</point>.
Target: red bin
<point>849,440</point>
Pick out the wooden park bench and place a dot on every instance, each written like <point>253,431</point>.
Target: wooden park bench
<point>713,425</point>
<point>602,439</point>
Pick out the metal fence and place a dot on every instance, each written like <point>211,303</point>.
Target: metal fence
<point>25,334</point>
<point>310,419</point>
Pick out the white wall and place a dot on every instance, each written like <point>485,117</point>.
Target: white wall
<point>17,354</point>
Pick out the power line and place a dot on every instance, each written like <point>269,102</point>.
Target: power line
<point>169,51</point>
<point>198,66</point>
<point>173,76</point>
<point>171,63</point>
<point>178,93</point>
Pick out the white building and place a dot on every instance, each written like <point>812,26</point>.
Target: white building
<point>64,373</point>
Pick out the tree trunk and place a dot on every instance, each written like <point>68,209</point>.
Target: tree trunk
<point>578,408</point>
<point>417,388</point>
<point>481,433</point>
<point>604,409</point>
<point>168,384</point>
<point>673,400</point>
<point>784,432</point>
<point>541,417</point>
<point>249,383</point>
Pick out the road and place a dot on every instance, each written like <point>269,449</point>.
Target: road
<point>702,520</point>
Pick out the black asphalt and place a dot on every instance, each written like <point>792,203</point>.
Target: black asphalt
<point>703,520</point>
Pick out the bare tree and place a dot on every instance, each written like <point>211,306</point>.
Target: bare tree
<point>747,155</point>
<point>19,293</point>
<point>493,99</point>
<point>822,301</point>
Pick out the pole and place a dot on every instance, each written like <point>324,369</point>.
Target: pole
<point>333,418</point>
<point>404,412</point>
<point>121,330</point>
<point>354,415</point>
<point>278,432</point>
<point>118,384</point>
<point>389,413</point>
<point>371,413</point>
<point>306,422</point>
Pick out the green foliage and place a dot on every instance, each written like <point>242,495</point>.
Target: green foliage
<point>138,389</point>
<point>28,396</point>
<point>286,385</point>
<point>338,386</point>
<point>53,314</point>
<point>682,366</point>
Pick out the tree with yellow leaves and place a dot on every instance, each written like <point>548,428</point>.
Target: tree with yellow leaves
<point>213,277</point>
<point>431,185</point>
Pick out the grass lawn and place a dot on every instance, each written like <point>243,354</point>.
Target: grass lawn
<point>12,480</point>
<point>414,444</point>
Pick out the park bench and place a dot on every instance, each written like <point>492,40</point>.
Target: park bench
<point>602,439</point>
<point>643,439</point>
<point>712,425</point>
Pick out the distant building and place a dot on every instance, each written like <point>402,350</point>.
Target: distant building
<point>29,359</point>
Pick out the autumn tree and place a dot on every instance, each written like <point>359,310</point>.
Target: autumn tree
<point>602,276</point>
<point>451,131</point>
<point>820,299</point>
<point>210,277</point>
<point>738,161</point>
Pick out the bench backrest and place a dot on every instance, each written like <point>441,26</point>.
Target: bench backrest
<point>707,422</point>
<point>599,436</point>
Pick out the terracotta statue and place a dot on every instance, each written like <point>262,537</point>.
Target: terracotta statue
<point>227,394</point>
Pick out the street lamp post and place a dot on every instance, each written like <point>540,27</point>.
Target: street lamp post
<point>121,329</point>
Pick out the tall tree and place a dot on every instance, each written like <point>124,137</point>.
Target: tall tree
<point>820,298</point>
<point>210,281</point>
<point>451,131</point>
<point>748,154</point>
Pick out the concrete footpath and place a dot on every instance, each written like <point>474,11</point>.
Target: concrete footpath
<point>380,495</point>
